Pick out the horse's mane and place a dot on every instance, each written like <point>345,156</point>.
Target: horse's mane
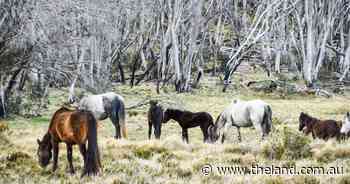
<point>47,138</point>
<point>217,119</point>
<point>308,118</point>
<point>178,110</point>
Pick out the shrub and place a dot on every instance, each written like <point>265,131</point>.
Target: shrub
<point>287,144</point>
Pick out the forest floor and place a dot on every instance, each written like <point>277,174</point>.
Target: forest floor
<point>169,160</point>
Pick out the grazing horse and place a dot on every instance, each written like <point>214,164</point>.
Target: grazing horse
<point>71,127</point>
<point>323,129</point>
<point>187,119</point>
<point>107,105</point>
<point>255,113</point>
<point>155,118</point>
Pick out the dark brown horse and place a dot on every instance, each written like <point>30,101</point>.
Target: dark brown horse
<point>71,127</point>
<point>323,129</point>
<point>155,118</point>
<point>187,119</point>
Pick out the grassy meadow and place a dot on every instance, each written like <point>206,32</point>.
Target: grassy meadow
<point>139,160</point>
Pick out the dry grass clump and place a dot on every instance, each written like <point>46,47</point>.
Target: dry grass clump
<point>305,180</point>
<point>3,126</point>
<point>147,151</point>
<point>344,179</point>
<point>331,150</point>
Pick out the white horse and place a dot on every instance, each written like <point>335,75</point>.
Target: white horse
<point>345,128</point>
<point>107,105</point>
<point>255,113</point>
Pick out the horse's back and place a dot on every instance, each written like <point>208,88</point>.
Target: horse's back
<point>94,103</point>
<point>71,126</point>
<point>327,128</point>
<point>246,113</point>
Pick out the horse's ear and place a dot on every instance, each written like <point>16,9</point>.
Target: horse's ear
<point>38,141</point>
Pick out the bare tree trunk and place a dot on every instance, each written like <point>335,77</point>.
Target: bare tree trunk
<point>2,100</point>
<point>346,60</point>
<point>310,55</point>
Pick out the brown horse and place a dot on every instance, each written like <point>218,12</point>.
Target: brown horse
<point>323,129</point>
<point>71,127</point>
<point>187,119</point>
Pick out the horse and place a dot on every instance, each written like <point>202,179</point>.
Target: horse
<point>107,105</point>
<point>71,127</point>
<point>323,129</point>
<point>239,114</point>
<point>155,118</point>
<point>187,119</point>
<point>345,128</point>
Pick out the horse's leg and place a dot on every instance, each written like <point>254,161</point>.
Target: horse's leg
<point>205,133</point>
<point>239,134</point>
<point>55,155</point>
<point>222,138</point>
<point>70,158</point>
<point>117,127</point>
<point>149,130</point>
<point>226,127</point>
<point>185,134</point>
<point>82,149</point>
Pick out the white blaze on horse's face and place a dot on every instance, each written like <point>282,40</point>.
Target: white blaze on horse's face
<point>346,124</point>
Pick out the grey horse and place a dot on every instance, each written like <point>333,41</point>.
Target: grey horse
<point>255,113</point>
<point>107,105</point>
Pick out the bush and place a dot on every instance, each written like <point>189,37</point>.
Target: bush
<point>286,144</point>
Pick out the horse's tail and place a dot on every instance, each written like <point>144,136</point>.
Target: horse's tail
<point>92,163</point>
<point>267,119</point>
<point>118,115</point>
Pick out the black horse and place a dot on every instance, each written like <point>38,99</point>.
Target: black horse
<point>187,119</point>
<point>155,118</point>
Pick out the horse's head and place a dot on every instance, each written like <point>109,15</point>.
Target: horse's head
<point>166,116</point>
<point>44,151</point>
<point>302,121</point>
<point>213,136</point>
<point>153,103</point>
<point>345,128</point>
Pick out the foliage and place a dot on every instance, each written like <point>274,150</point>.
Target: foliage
<point>283,142</point>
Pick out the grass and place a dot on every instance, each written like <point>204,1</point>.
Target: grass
<point>139,160</point>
